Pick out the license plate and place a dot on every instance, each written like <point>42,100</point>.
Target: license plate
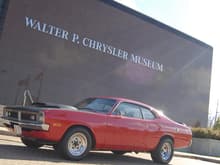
<point>17,130</point>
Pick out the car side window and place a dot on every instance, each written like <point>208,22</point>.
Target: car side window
<point>96,105</point>
<point>147,114</point>
<point>128,110</point>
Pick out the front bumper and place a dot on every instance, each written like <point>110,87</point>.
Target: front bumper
<point>31,126</point>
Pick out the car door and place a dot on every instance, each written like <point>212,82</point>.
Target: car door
<point>126,128</point>
<point>153,133</point>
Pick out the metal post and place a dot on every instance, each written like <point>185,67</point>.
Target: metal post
<point>216,113</point>
<point>27,93</point>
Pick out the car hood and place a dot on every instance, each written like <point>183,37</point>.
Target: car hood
<point>36,106</point>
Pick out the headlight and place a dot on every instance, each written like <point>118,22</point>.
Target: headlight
<point>5,113</point>
<point>41,117</point>
<point>33,117</point>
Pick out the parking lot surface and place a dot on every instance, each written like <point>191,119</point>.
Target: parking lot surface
<point>13,152</point>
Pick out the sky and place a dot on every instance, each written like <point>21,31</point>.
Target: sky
<point>197,18</point>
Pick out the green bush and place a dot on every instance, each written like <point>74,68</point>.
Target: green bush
<point>206,133</point>
<point>217,125</point>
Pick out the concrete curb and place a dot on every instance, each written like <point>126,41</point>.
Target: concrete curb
<point>199,157</point>
<point>5,131</point>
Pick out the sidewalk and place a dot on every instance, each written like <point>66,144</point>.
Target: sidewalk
<point>4,131</point>
<point>199,157</point>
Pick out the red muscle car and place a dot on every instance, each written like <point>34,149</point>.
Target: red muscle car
<point>98,123</point>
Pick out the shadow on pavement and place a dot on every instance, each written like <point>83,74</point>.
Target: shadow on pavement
<point>48,154</point>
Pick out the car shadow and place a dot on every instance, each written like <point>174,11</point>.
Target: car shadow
<point>17,152</point>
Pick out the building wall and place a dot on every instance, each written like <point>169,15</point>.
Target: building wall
<point>64,51</point>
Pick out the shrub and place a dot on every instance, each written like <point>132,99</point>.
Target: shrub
<point>206,133</point>
<point>217,125</point>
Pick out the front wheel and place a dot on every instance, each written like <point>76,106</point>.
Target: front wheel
<point>164,152</point>
<point>76,144</point>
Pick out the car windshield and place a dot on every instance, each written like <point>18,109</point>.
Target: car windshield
<point>99,105</point>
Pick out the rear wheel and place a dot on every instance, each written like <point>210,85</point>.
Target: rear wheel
<point>31,143</point>
<point>164,152</point>
<point>76,144</point>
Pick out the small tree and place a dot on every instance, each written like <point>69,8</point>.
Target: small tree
<point>217,124</point>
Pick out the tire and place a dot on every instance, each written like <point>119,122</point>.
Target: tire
<point>31,143</point>
<point>76,144</point>
<point>164,152</point>
<point>115,152</point>
<point>153,157</point>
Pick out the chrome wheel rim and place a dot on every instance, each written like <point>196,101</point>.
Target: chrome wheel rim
<point>166,151</point>
<point>77,144</point>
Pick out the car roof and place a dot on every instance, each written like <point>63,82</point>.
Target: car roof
<point>121,99</point>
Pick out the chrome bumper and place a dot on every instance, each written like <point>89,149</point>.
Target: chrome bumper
<point>32,126</point>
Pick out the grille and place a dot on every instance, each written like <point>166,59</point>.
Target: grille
<point>28,116</point>
<point>12,114</point>
<point>20,115</point>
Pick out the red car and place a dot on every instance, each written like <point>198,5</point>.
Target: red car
<point>98,123</point>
